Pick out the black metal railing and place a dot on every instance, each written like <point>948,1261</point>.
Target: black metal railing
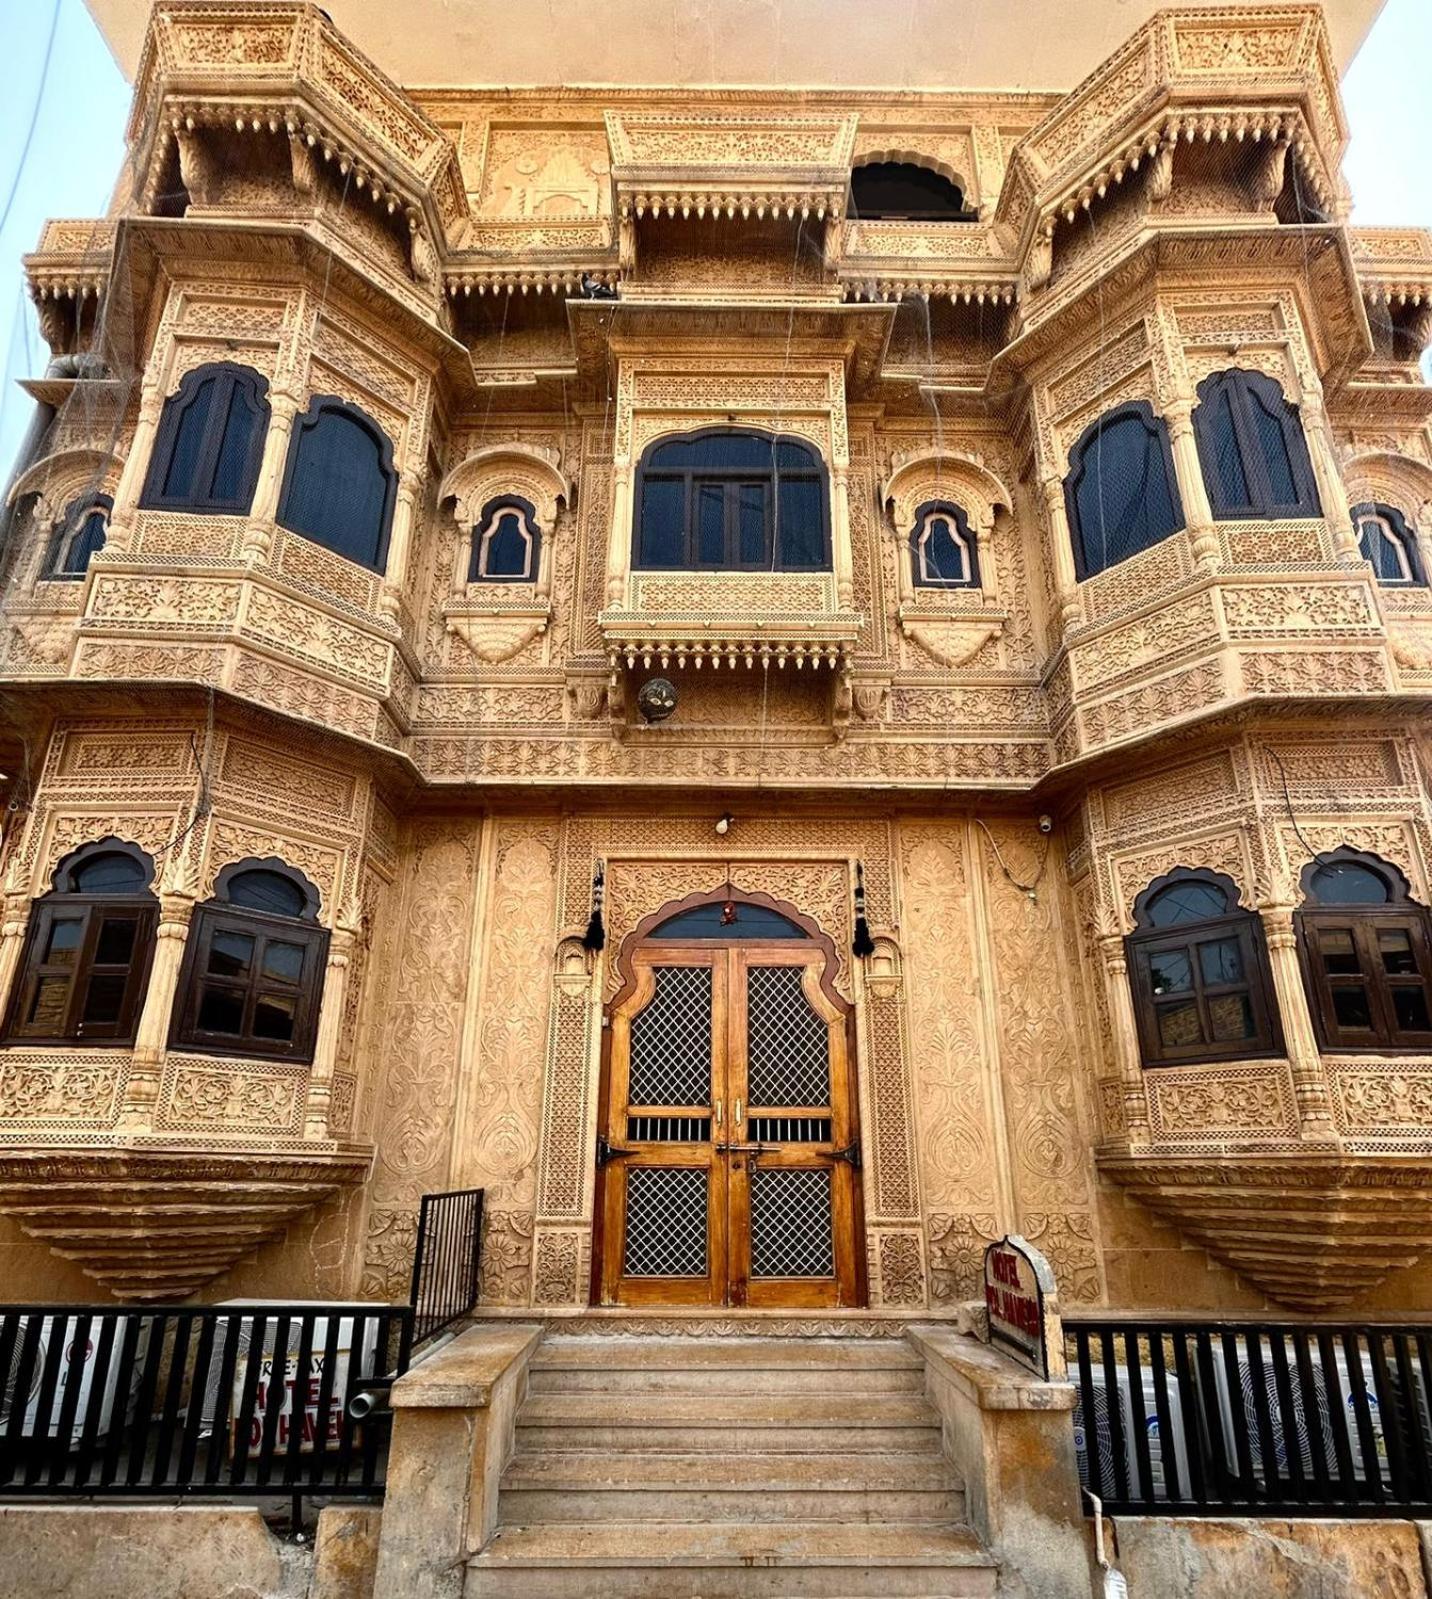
<point>199,1401</point>
<point>445,1261</point>
<point>1252,1418</point>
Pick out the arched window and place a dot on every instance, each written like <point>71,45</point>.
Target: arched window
<point>1366,952</point>
<point>78,534</point>
<point>253,967</point>
<point>899,190</point>
<point>732,501</point>
<point>1121,493</point>
<point>506,543</point>
<point>1252,449</point>
<point>86,961</point>
<point>942,548</point>
<point>210,442</point>
<point>731,919</point>
<point>1386,540</point>
<point>339,485</point>
<point>1198,968</point>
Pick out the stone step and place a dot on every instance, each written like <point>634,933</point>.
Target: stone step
<point>731,1561</point>
<point>739,1432</point>
<point>750,1503</point>
<point>738,1379</point>
<point>687,1354</point>
<point>668,1409</point>
<point>740,1469</point>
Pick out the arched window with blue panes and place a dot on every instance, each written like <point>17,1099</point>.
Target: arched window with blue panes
<point>943,554</point>
<point>1385,539</point>
<point>209,443</point>
<point>506,542</point>
<point>1121,494</point>
<point>340,483</point>
<point>1252,449</point>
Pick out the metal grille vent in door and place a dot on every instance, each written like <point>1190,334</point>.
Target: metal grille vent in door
<point>791,1223</point>
<point>665,1222</point>
<point>788,1044</point>
<point>671,1040</point>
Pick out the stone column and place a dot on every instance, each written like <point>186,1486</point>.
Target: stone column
<point>1193,491</point>
<point>330,1022</point>
<point>619,540</point>
<point>258,535</point>
<point>1126,1039</point>
<point>1331,490</point>
<point>12,941</point>
<point>400,543</point>
<point>842,559</point>
<point>120,532</point>
<point>1066,580</point>
<point>1309,1083</point>
<point>151,1037</point>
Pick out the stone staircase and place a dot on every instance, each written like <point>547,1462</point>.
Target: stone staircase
<point>729,1468</point>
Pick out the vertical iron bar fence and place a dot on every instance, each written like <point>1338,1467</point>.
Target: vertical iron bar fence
<point>228,1401</point>
<point>445,1260</point>
<point>1253,1418</point>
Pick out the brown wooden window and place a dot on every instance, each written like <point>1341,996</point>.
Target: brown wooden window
<point>1198,966</point>
<point>253,969</point>
<point>86,961</point>
<point>1367,955</point>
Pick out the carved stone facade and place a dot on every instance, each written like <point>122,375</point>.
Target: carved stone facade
<point>523,292</point>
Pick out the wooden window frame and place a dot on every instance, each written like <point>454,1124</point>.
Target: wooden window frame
<point>956,514</point>
<point>491,512</point>
<point>217,917</point>
<point>236,384</point>
<point>320,406</point>
<point>1156,429</point>
<point>1240,384</point>
<point>731,479</point>
<point>95,910</point>
<point>1246,927</point>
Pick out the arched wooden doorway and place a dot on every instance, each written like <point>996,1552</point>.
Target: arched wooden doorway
<point>728,1142</point>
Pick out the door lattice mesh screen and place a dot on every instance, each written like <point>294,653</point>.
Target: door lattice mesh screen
<point>665,1222</point>
<point>671,1040</point>
<point>788,1045</point>
<point>791,1224</point>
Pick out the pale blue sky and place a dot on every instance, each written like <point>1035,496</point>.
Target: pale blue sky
<point>61,76</point>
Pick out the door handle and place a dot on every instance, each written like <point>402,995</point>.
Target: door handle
<point>717,1109</point>
<point>850,1155</point>
<point>738,1110</point>
<point>607,1152</point>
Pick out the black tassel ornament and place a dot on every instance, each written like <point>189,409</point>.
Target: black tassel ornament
<point>595,937</point>
<point>862,944</point>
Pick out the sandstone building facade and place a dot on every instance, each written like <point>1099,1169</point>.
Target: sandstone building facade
<point>550,633</point>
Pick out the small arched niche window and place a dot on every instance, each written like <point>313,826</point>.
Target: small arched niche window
<point>942,548</point>
<point>87,955</point>
<point>725,500</point>
<point>506,543</point>
<point>339,485</point>
<point>1198,968</point>
<point>1121,493</point>
<point>210,442</point>
<point>1366,954</point>
<point>79,533</point>
<point>902,191</point>
<point>253,967</point>
<point>1385,539</point>
<point>1252,449</point>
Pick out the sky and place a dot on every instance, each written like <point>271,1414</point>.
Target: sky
<point>62,142</point>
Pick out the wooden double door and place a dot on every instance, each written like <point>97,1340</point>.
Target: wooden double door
<point>728,1153</point>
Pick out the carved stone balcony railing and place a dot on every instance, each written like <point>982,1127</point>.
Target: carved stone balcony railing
<point>725,619</point>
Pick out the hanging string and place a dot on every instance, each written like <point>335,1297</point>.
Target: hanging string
<point>1029,889</point>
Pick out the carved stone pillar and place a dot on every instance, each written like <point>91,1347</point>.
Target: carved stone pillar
<point>621,532</point>
<point>842,558</point>
<point>126,495</point>
<point>258,535</point>
<point>1188,469</point>
<point>12,941</point>
<point>1331,491</point>
<point>1071,607</point>
<point>330,1022</point>
<point>150,1038</point>
<point>1309,1083</point>
<point>400,543</point>
<point>1126,1039</point>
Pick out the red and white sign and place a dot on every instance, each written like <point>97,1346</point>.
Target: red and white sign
<point>1017,1278</point>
